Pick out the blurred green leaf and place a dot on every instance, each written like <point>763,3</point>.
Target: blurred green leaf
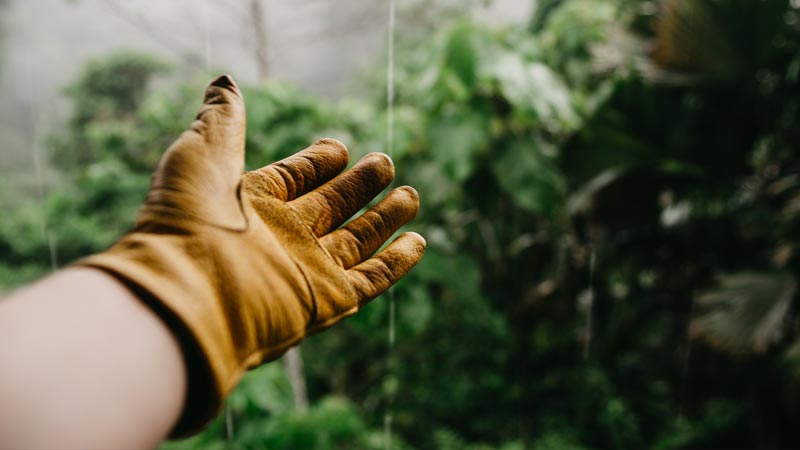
<point>535,89</point>
<point>530,177</point>
<point>455,137</point>
<point>747,313</point>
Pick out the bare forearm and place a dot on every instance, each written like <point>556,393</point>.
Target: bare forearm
<point>84,364</point>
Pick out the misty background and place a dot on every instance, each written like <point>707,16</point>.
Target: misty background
<point>317,45</point>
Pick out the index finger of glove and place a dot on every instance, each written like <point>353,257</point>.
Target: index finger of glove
<point>329,206</point>
<point>375,275</point>
<point>302,172</point>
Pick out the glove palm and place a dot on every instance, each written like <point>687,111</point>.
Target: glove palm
<point>245,265</point>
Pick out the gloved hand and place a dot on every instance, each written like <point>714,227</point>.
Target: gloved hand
<point>242,266</point>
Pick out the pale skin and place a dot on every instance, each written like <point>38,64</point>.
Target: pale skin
<point>95,369</point>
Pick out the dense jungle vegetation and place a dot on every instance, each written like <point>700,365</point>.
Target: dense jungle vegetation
<point>611,199</point>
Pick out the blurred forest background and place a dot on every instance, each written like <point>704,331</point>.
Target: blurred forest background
<point>611,197</point>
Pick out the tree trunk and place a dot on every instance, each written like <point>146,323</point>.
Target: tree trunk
<point>294,371</point>
<point>260,35</point>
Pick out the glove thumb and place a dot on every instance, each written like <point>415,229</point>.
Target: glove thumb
<point>200,172</point>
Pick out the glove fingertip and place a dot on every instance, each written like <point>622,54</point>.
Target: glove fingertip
<point>225,81</point>
<point>412,245</point>
<point>336,153</point>
<point>223,91</point>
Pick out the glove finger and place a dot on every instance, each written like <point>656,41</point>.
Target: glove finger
<point>199,173</point>
<point>359,239</point>
<point>327,207</point>
<point>221,118</point>
<point>219,129</point>
<point>377,274</point>
<point>300,173</point>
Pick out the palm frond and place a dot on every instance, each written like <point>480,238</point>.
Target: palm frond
<point>746,314</point>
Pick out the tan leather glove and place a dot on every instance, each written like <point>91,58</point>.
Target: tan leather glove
<point>242,266</point>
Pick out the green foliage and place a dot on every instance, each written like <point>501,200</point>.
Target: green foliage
<point>105,95</point>
<point>612,260</point>
<point>263,415</point>
<point>572,30</point>
<point>747,313</point>
<point>726,54</point>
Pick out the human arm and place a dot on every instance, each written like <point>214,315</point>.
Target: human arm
<point>85,364</point>
<point>240,266</point>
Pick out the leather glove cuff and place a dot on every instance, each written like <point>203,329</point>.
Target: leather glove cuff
<point>162,274</point>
